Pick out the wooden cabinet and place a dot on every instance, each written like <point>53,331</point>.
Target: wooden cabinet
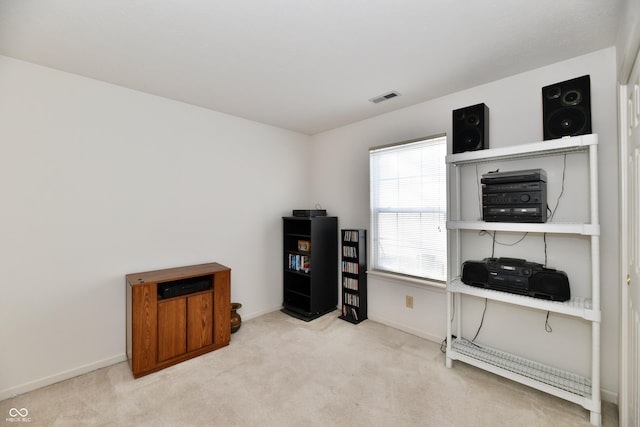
<point>310,266</point>
<point>163,331</point>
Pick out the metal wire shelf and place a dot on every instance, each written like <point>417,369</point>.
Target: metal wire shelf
<point>555,377</point>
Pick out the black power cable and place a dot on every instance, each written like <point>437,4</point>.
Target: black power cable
<point>481,320</point>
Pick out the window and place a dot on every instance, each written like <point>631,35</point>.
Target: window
<point>409,208</point>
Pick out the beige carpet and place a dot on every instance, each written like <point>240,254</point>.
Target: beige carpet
<point>280,371</point>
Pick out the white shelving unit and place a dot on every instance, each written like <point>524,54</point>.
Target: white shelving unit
<point>566,385</point>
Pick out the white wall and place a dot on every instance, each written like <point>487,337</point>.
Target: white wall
<point>99,181</point>
<point>341,180</point>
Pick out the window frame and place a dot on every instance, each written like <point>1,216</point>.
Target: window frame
<point>401,276</point>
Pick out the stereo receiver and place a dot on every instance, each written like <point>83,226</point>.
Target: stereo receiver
<point>514,196</point>
<point>181,287</point>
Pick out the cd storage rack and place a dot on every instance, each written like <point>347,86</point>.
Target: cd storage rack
<point>354,275</point>
<point>584,391</point>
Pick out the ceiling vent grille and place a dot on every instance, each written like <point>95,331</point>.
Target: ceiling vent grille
<point>384,97</point>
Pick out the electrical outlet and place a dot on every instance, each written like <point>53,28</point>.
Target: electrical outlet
<point>409,301</point>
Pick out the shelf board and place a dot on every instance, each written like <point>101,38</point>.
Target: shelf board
<point>535,149</point>
<point>557,382</point>
<point>576,306</point>
<point>527,227</point>
<point>303,314</point>
<point>299,293</point>
<point>351,320</point>
<point>299,272</point>
<point>298,235</point>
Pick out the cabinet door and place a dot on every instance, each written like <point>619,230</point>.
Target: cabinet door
<point>199,321</point>
<point>172,328</point>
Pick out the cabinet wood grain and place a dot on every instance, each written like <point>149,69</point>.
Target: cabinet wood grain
<point>164,331</point>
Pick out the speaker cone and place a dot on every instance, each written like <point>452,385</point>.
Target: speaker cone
<point>471,139</point>
<point>568,121</point>
<point>553,92</point>
<point>472,120</point>
<point>572,97</point>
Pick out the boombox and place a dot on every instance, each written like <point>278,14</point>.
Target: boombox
<point>517,276</point>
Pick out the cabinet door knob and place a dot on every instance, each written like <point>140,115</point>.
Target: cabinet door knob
<point>628,280</point>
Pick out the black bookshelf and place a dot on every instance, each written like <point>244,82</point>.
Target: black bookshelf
<point>354,275</point>
<point>310,266</point>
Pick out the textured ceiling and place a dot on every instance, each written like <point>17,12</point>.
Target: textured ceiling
<point>307,66</point>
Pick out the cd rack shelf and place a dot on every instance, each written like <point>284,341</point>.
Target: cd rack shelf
<point>354,275</point>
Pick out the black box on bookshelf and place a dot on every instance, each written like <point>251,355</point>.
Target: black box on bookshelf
<point>309,212</point>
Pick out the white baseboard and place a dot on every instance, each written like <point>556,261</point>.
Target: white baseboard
<point>404,328</point>
<point>260,313</point>
<point>61,376</point>
<point>609,396</point>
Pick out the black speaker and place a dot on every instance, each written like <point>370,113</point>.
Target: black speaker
<point>566,108</point>
<point>471,128</point>
<point>550,284</point>
<point>475,273</point>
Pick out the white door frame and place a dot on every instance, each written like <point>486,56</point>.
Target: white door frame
<point>623,388</point>
<point>628,408</point>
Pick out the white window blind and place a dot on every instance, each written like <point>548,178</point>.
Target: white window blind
<point>409,208</point>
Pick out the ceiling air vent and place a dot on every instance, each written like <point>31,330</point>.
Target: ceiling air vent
<point>384,97</point>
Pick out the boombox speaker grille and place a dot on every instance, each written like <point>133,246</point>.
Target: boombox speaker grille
<point>475,273</point>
